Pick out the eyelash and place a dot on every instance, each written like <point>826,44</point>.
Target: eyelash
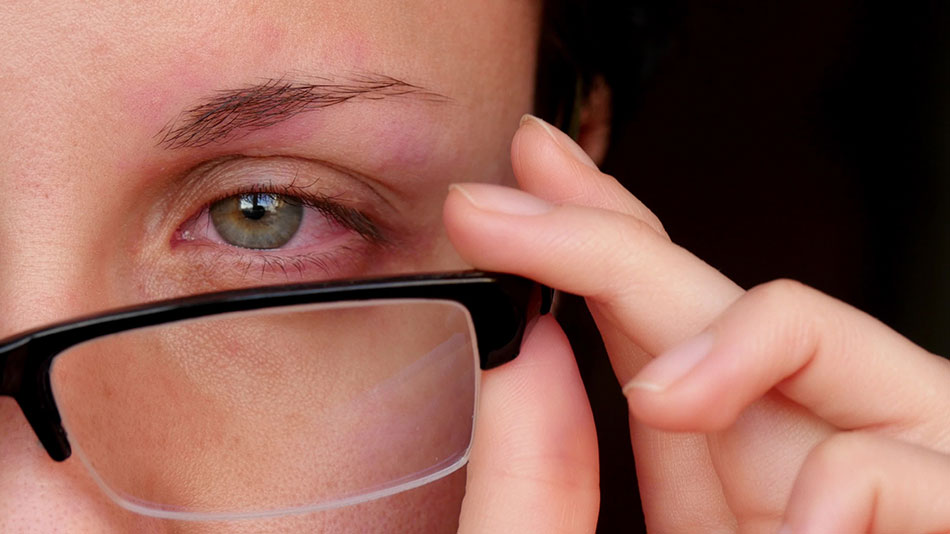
<point>272,260</point>
<point>286,265</point>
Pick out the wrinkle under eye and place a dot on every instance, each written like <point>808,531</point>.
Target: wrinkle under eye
<point>257,220</point>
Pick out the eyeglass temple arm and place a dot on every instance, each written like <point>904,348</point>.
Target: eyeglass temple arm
<point>11,368</point>
<point>499,344</point>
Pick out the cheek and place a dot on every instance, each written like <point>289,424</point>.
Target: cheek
<point>278,410</point>
<point>430,509</point>
<point>38,495</point>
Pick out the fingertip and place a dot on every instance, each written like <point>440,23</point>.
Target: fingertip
<point>456,212</point>
<point>668,368</point>
<point>561,140</point>
<point>677,412</point>
<point>544,167</point>
<point>529,143</point>
<point>542,154</point>
<point>475,215</point>
<point>500,199</point>
<point>682,389</point>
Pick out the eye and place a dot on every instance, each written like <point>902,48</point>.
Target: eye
<point>257,220</point>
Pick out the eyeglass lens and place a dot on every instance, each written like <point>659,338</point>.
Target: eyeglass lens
<point>296,408</point>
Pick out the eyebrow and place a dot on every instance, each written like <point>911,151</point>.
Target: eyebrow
<point>238,112</point>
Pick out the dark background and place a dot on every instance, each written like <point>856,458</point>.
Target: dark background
<point>807,140</point>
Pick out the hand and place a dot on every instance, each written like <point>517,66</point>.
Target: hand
<point>773,408</point>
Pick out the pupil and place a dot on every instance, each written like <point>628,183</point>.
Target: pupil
<point>256,206</point>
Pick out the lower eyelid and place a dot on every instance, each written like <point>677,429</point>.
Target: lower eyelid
<point>208,268</point>
<point>320,249</point>
<point>314,226</point>
<point>310,266</point>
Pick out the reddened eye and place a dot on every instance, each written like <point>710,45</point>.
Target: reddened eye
<point>257,220</point>
<point>264,216</point>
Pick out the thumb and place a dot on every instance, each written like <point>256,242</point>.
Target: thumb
<point>534,465</point>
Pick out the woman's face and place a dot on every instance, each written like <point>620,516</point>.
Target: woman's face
<point>123,124</point>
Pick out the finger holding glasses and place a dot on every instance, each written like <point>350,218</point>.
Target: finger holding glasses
<point>748,391</point>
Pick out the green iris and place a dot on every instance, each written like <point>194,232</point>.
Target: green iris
<point>257,220</point>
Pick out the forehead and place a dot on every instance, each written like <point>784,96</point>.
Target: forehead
<point>330,30</point>
<point>147,59</point>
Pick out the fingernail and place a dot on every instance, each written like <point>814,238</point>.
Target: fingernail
<point>502,199</point>
<point>672,365</point>
<point>785,529</point>
<point>561,139</point>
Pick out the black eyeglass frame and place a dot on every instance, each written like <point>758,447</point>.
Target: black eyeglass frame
<point>498,305</point>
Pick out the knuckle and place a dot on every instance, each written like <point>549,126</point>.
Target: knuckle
<point>625,239</point>
<point>633,245</point>
<point>781,293</point>
<point>788,306</point>
<point>648,218</point>
<point>656,224</point>
<point>804,320</point>
<point>638,225</point>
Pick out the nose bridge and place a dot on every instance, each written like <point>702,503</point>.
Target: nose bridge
<point>50,224</point>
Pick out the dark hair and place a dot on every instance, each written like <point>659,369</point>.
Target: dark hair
<point>616,40</point>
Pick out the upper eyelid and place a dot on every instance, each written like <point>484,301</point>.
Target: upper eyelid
<point>373,185</point>
<point>343,214</point>
<point>357,221</point>
<point>342,197</point>
<point>339,212</point>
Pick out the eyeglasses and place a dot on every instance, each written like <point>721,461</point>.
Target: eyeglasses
<point>269,401</point>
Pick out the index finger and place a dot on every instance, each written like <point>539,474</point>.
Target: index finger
<point>655,291</point>
<point>643,291</point>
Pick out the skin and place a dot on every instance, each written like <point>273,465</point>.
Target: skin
<point>101,213</point>
<point>808,392</point>
<point>776,409</point>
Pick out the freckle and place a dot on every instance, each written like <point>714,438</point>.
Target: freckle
<point>102,49</point>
